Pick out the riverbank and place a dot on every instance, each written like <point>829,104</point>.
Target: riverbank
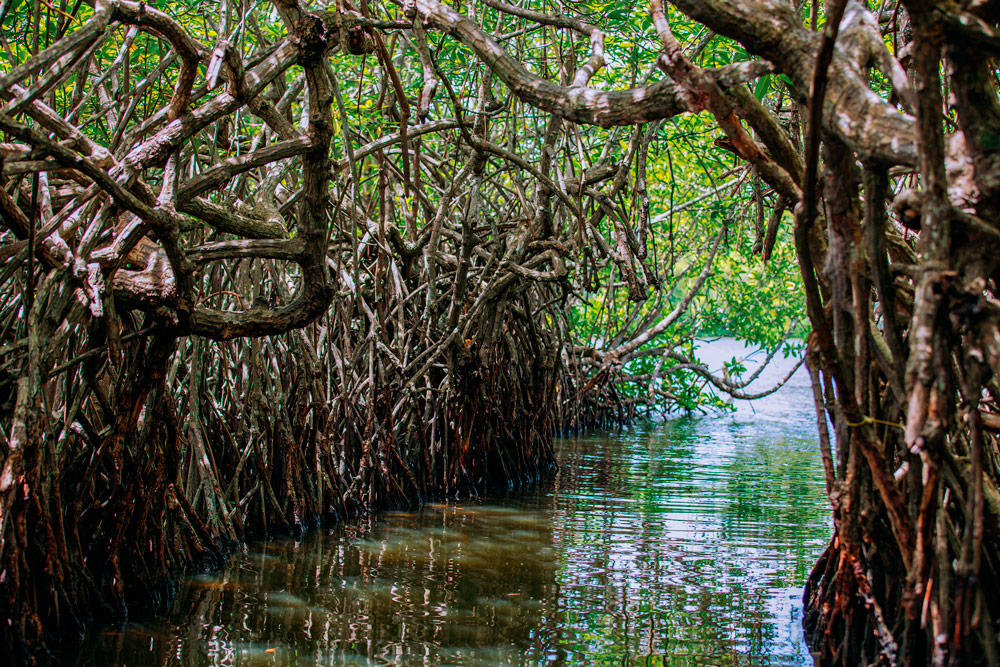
<point>686,543</point>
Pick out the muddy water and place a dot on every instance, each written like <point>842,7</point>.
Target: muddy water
<point>683,544</point>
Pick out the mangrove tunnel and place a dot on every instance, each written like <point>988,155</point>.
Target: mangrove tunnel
<point>267,265</point>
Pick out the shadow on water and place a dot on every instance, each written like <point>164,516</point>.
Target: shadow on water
<point>681,544</point>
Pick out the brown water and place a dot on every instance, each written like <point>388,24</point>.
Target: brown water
<point>683,544</point>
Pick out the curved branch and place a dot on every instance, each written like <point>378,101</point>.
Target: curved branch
<point>575,103</point>
<point>773,30</point>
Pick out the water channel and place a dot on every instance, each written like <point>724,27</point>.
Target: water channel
<point>683,544</point>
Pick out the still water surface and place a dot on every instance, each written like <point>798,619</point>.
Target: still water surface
<point>683,544</point>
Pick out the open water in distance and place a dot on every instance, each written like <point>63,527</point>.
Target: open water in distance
<point>684,544</point>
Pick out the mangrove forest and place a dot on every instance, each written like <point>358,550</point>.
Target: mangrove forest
<point>269,267</point>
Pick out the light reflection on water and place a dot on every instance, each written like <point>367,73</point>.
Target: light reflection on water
<point>684,544</point>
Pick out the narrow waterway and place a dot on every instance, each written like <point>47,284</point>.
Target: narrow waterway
<point>683,544</point>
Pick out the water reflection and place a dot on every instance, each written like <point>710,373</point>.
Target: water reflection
<point>682,545</point>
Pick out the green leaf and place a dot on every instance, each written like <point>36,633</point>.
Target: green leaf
<point>763,87</point>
